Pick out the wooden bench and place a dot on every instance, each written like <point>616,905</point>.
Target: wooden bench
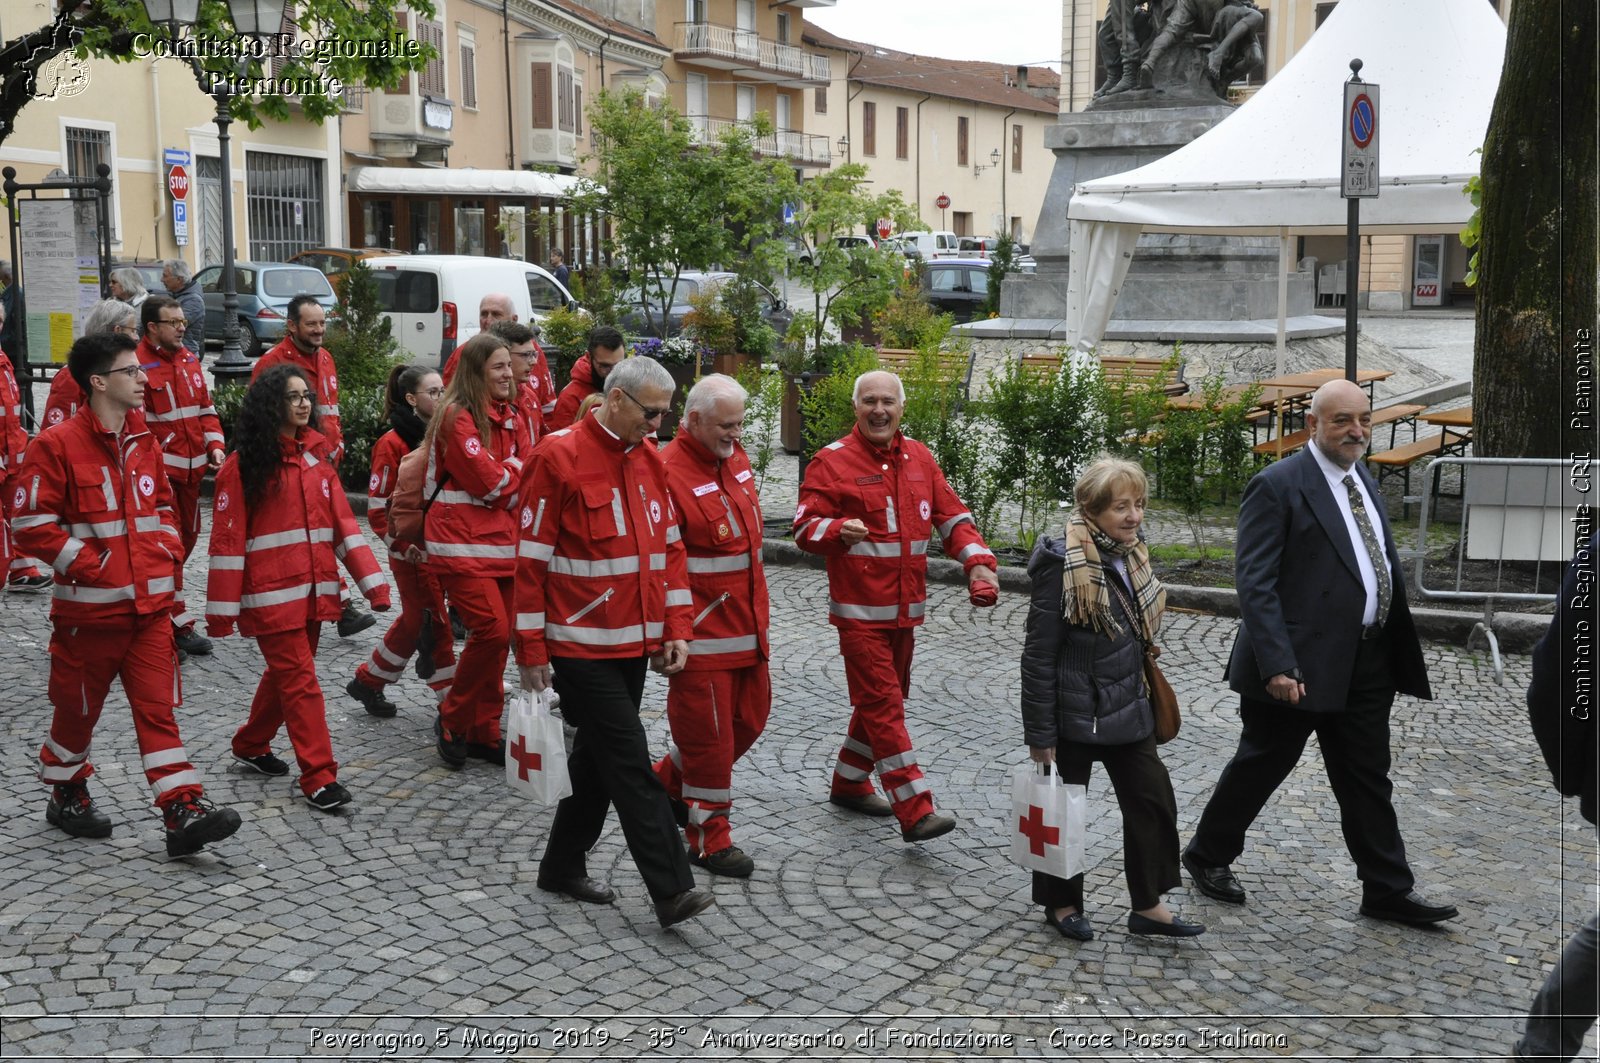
<point>1463,294</point>
<point>1387,463</point>
<point>1043,365</point>
<point>1143,370</point>
<point>954,366</point>
<point>1393,416</point>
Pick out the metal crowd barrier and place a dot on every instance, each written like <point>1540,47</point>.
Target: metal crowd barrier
<point>1518,510</point>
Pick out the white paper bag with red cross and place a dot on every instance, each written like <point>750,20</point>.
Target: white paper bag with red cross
<point>1047,821</point>
<point>536,751</point>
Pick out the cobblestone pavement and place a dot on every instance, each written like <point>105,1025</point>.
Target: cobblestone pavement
<point>409,924</point>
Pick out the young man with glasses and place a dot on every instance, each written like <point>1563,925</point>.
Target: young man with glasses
<point>177,405</point>
<point>601,590</point>
<point>588,375</point>
<point>93,500</point>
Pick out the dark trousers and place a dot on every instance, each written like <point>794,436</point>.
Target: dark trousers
<point>610,765</point>
<point>1567,1003</point>
<point>1149,822</point>
<point>1355,752</point>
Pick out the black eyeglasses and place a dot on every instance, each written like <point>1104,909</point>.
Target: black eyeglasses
<point>132,372</point>
<point>297,398</point>
<point>650,412</point>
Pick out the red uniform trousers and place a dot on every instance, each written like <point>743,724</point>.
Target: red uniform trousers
<point>186,508</point>
<point>715,716</point>
<point>420,593</point>
<point>472,709</point>
<point>877,671</point>
<point>289,696</point>
<point>83,661</point>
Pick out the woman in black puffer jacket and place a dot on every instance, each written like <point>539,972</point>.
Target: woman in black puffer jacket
<point>1096,606</point>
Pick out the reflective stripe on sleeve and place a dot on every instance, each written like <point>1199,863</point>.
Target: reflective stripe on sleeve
<point>950,525</point>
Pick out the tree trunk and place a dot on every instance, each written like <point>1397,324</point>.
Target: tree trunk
<point>1533,369</point>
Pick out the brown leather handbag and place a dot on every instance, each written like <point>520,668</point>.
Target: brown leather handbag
<point>1163,700</point>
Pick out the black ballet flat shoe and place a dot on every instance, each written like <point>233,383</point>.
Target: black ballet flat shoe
<point>1075,926</point>
<point>1144,926</point>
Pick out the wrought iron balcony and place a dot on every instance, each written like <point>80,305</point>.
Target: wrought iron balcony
<point>748,53</point>
<point>805,149</point>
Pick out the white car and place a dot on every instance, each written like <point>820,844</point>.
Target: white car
<point>432,300</point>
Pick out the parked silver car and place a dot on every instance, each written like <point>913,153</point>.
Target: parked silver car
<point>265,289</point>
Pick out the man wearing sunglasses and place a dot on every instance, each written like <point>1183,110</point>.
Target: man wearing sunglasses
<point>178,407</point>
<point>93,500</point>
<point>602,589</point>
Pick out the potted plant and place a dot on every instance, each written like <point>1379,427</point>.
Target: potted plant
<point>711,324</point>
<point>754,339</point>
<point>686,360</point>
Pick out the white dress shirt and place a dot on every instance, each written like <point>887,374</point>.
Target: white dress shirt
<point>1341,497</point>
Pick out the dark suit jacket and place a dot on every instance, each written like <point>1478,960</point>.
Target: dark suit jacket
<point>1300,593</point>
<point>1563,664</point>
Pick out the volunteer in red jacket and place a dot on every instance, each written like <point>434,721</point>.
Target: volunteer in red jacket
<point>719,703</point>
<point>601,589</point>
<point>518,339</point>
<point>409,400</point>
<point>280,526</point>
<point>496,309</point>
<point>178,407</point>
<point>18,570</point>
<point>588,375</point>
<point>477,445</point>
<point>869,504</point>
<point>305,327</point>
<point>92,501</point>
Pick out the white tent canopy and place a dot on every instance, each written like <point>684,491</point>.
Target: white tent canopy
<point>1272,167</point>
<point>427,181</point>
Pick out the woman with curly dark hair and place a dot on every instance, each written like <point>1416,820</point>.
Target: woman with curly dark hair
<point>477,444</point>
<point>409,400</point>
<point>280,525</point>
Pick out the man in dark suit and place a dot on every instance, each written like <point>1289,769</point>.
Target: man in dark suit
<point>1561,710</point>
<point>1325,642</point>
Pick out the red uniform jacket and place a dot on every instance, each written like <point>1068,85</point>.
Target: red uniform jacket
<point>580,387</point>
<point>541,379</point>
<point>13,442</point>
<point>720,519</point>
<point>530,409</point>
<point>178,408</point>
<point>902,497</point>
<point>64,399</point>
<point>601,554</point>
<point>97,506</point>
<point>275,568</point>
<point>471,527</point>
<point>324,381</point>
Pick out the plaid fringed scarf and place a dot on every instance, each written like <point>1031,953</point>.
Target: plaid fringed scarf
<point>1085,594</point>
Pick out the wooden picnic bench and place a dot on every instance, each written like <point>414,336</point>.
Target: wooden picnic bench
<point>1399,459</point>
<point>954,366</point>
<point>1143,370</point>
<point>1393,416</point>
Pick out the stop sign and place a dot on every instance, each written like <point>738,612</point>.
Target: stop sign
<point>942,202</point>
<point>885,227</point>
<point>178,182</point>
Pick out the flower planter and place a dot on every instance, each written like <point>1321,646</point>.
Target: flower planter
<point>683,378</point>
<point>732,364</point>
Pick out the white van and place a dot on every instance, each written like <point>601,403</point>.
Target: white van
<point>432,300</point>
<point>940,244</point>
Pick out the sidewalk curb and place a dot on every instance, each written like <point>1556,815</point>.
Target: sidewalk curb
<point>1517,632</point>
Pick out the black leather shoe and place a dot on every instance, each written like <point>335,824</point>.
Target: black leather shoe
<point>681,906</point>
<point>353,619</point>
<point>1144,926</point>
<point>579,888</point>
<point>493,754</point>
<point>866,804</point>
<point>452,750</point>
<point>1217,883</point>
<point>72,810</point>
<point>1409,908</point>
<point>192,642</point>
<point>1075,926</point>
<point>732,862</point>
<point>372,700</point>
<point>929,827</point>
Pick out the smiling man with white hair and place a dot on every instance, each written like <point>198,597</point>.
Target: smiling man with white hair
<point>869,504</point>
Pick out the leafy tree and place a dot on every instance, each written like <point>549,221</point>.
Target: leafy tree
<point>121,30</point>
<point>1536,261</point>
<point>1001,262</point>
<point>677,204</point>
<point>848,283</point>
<point>364,350</point>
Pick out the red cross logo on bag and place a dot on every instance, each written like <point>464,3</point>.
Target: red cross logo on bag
<point>1033,828</point>
<point>527,763</point>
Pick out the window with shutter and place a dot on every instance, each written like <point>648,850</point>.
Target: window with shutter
<point>821,102</point>
<point>577,109</point>
<point>564,98</point>
<point>902,132</point>
<point>469,75</point>
<point>432,34</point>
<point>1016,147</point>
<point>869,128</point>
<point>961,140</point>
<point>543,111</point>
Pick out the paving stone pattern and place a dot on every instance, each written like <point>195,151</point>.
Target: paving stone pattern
<point>408,926</point>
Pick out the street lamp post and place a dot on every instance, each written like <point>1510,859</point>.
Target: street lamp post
<point>251,18</point>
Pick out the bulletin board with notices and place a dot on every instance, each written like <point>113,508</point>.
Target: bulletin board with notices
<point>61,273</point>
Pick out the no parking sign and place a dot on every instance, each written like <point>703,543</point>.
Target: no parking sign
<point>1359,161</point>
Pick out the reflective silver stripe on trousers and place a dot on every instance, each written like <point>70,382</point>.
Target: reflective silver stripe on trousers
<point>674,754</point>
<point>909,790</point>
<point>736,563</point>
<point>851,772</point>
<point>739,644</point>
<point>606,566</point>
<point>180,780</point>
<point>859,748</point>
<point>52,773</point>
<point>163,757</point>
<point>384,652</point>
<point>950,525</point>
<point>908,759</point>
<point>223,608</point>
<point>863,612</point>
<point>65,755</point>
<point>700,793</point>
